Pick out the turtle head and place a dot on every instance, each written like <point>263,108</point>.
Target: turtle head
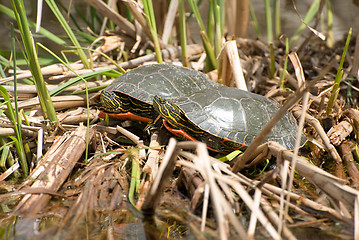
<point>167,110</point>
<point>111,102</point>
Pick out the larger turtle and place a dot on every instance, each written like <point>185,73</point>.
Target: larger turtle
<point>131,95</point>
<point>225,118</point>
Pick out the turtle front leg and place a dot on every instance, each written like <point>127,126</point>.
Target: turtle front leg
<point>154,125</point>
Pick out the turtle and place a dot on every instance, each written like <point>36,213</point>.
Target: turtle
<point>225,118</point>
<point>130,96</point>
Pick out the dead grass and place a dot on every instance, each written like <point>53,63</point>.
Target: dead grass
<point>181,190</point>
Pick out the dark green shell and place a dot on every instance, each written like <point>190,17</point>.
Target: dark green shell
<point>165,80</point>
<point>222,117</point>
<point>224,113</point>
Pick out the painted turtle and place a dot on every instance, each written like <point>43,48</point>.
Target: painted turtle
<point>130,96</point>
<point>225,118</point>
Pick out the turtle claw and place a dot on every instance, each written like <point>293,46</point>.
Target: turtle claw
<point>154,125</point>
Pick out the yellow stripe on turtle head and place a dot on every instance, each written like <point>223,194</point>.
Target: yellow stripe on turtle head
<point>169,111</point>
<point>112,102</point>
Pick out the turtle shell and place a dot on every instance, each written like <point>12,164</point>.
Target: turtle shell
<point>165,80</point>
<point>136,88</point>
<point>227,118</point>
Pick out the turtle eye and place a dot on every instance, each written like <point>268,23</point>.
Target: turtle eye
<point>162,101</point>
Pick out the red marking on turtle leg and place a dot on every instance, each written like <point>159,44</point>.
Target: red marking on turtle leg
<point>178,132</point>
<point>124,116</point>
<point>181,133</point>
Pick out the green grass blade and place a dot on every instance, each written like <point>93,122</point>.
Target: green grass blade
<point>10,113</point>
<point>338,78</point>
<point>33,63</point>
<point>197,15</point>
<point>48,35</point>
<point>69,32</point>
<point>17,117</point>
<point>269,21</point>
<point>209,50</point>
<point>205,40</point>
<point>330,34</point>
<point>221,9</point>
<point>183,34</point>
<point>230,156</point>
<point>277,19</point>
<point>217,27</point>
<point>314,8</point>
<point>135,180</point>
<point>272,61</point>
<point>150,16</point>
<point>210,25</point>
<point>86,38</point>
<point>5,154</point>
<point>76,80</point>
<point>44,60</point>
<point>2,73</point>
<point>282,78</point>
<point>7,158</point>
<point>255,20</point>
<point>79,16</point>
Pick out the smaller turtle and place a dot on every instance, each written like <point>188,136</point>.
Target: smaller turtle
<point>130,96</point>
